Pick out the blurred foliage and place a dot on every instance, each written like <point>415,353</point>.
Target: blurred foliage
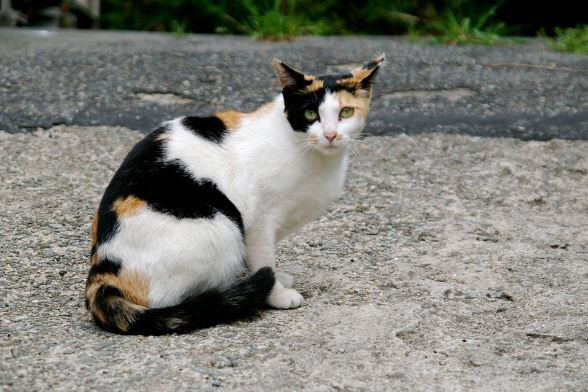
<point>282,19</point>
<point>571,40</point>
<point>449,21</point>
<point>262,18</point>
<point>459,26</point>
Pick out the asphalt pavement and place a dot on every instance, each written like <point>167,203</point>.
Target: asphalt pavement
<point>137,80</point>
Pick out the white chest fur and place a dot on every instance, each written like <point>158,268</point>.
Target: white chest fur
<point>264,169</point>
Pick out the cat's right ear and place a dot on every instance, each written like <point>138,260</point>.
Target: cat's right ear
<point>289,78</point>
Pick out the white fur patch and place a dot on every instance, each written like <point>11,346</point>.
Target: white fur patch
<point>329,112</point>
<point>177,256</point>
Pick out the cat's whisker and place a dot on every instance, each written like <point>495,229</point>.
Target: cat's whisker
<point>357,144</point>
<point>303,147</point>
<point>353,150</point>
<point>354,146</point>
<point>302,143</point>
<point>305,150</point>
<point>358,139</point>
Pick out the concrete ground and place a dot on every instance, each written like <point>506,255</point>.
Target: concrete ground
<point>452,262</point>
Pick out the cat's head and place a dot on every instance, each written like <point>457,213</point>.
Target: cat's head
<point>330,109</point>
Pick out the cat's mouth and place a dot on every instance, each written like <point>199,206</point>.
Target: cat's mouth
<point>326,146</point>
<point>331,147</point>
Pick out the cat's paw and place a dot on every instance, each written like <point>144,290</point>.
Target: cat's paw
<point>285,279</point>
<point>283,298</point>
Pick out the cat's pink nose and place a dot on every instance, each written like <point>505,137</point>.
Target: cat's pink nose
<point>330,135</point>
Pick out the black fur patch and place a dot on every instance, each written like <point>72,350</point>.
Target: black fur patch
<point>210,128</point>
<point>165,186</point>
<point>330,81</point>
<point>105,265</point>
<point>296,103</point>
<point>104,300</point>
<point>104,292</point>
<point>209,308</point>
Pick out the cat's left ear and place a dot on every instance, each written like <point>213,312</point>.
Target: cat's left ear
<point>364,75</point>
<point>289,78</point>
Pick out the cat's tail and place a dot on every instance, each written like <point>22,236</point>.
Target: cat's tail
<point>115,313</point>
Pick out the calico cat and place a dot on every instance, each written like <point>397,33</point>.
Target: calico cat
<point>200,196</point>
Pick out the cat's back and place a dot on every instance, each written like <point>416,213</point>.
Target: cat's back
<point>158,216</point>
<point>167,170</point>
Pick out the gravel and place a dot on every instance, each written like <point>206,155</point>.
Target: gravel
<point>452,262</point>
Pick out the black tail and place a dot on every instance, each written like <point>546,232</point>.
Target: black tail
<point>201,311</point>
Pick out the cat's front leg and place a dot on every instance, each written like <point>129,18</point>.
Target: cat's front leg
<point>261,253</point>
<point>286,279</point>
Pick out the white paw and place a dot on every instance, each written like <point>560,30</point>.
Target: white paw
<point>283,298</point>
<point>285,279</point>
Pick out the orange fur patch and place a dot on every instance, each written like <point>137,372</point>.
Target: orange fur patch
<point>231,115</point>
<point>128,206</point>
<point>316,84</point>
<point>134,288</point>
<point>360,104</point>
<point>231,118</point>
<point>94,259</point>
<point>360,74</point>
<point>91,290</point>
<point>94,229</point>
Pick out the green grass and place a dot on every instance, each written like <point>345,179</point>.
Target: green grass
<point>280,19</point>
<point>449,22</point>
<point>572,40</point>
<point>454,29</point>
<point>179,28</point>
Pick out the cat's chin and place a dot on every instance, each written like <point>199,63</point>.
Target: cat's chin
<point>330,149</point>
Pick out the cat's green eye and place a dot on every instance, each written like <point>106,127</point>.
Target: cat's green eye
<point>346,112</point>
<point>310,115</point>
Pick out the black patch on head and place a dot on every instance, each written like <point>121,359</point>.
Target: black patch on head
<point>296,103</point>
<point>330,81</point>
<point>165,186</point>
<point>210,128</point>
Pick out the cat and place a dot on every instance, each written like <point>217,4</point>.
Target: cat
<point>200,196</point>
